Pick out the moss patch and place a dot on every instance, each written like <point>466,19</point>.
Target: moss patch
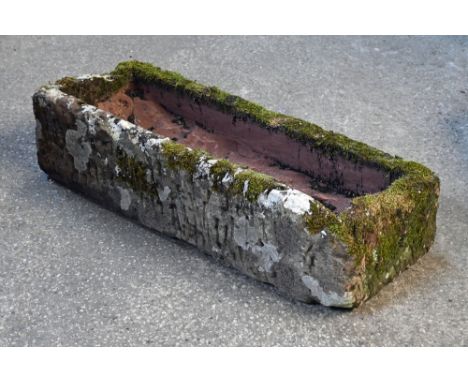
<point>219,171</point>
<point>388,231</point>
<point>318,218</point>
<point>94,89</point>
<point>179,157</point>
<point>133,173</point>
<point>246,182</point>
<point>251,184</point>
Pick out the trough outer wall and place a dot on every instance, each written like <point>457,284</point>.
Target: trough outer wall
<point>127,169</point>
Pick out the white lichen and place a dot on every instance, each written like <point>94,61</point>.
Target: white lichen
<point>88,109</point>
<point>70,102</point>
<point>203,167</point>
<point>78,147</point>
<point>268,255</point>
<point>134,137</point>
<point>238,171</point>
<point>246,187</point>
<point>327,298</point>
<point>86,76</point>
<point>227,179</point>
<point>164,194</point>
<point>117,128</point>
<point>375,255</point>
<point>125,199</point>
<point>153,142</point>
<point>272,199</point>
<point>293,200</point>
<point>298,202</point>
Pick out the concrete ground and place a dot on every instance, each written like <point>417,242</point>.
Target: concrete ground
<point>73,273</point>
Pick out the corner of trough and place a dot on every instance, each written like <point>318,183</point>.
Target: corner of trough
<point>387,231</point>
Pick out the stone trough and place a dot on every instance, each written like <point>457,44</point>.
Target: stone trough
<point>321,217</point>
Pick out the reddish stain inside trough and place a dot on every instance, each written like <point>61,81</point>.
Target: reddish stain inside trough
<point>244,142</point>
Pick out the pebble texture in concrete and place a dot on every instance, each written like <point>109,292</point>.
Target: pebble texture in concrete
<point>73,273</point>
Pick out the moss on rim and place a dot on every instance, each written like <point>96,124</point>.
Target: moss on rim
<point>222,169</point>
<point>246,182</point>
<point>251,184</point>
<point>180,157</point>
<point>95,89</point>
<point>329,142</point>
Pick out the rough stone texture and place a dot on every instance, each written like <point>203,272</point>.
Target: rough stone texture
<point>261,227</point>
<point>75,274</point>
<point>90,150</point>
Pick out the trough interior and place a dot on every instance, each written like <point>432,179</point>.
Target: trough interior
<point>331,180</point>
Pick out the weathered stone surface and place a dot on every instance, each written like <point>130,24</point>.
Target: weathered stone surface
<point>283,237</point>
<point>267,240</point>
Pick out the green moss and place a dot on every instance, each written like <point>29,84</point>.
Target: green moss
<point>179,157</point>
<point>219,170</point>
<point>319,217</point>
<point>386,232</point>
<point>251,184</point>
<point>133,173</point>
<point>247,182</point>
<point>93,89</point>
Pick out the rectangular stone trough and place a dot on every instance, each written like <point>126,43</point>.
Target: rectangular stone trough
<point>321,217</point>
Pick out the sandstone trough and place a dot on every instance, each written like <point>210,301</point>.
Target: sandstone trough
<point>322,217</point>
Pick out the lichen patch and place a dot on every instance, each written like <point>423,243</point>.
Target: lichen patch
<point>164,194</point>
<point>78,147</point>
<point>298,202</point>
<point>125,198</point>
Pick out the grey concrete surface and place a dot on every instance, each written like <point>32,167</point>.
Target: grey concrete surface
<point>73,273</point>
